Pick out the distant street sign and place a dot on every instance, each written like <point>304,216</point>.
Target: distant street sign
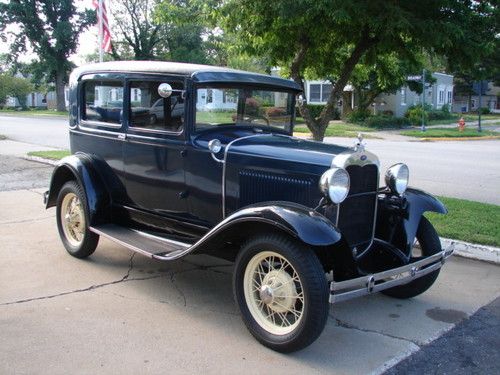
<point>413,78</point>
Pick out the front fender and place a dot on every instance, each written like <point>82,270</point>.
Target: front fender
<point>419,202</point>
<point>297,220</point>
<point>79,167</point>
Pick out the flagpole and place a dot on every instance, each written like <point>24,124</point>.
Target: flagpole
<point>101,52</point>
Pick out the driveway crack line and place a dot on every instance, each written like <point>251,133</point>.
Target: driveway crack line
<point>343,324</point>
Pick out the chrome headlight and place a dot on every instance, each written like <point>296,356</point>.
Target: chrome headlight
<point>334,184</point>
<point>396,178</point>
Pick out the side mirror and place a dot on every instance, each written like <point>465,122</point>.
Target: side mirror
<point>164,90</point>
<point>300,99</point>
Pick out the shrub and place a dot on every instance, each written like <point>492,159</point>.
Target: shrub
<point>485,111</point>
<point>315,111</point>
<point>415,113</point>
<point>358,116</point>
<point>386,122</point>
<point>275,111</point>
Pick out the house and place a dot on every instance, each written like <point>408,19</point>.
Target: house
<point>436,95</point>
<point>490,100</point>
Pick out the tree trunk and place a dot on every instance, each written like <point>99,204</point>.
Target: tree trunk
<point>61,103</point>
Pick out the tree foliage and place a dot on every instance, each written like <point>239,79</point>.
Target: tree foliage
<point>15,87</point>
<point>330,38</point>
<point>51,29</point>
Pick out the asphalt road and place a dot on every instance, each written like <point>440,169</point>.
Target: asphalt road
<point>43,130</point>
<point>463,169</point>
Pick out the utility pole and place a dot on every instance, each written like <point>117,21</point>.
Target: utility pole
<point>423,100</point>
<point>480,105</point>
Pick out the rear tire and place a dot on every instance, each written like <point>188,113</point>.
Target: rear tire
<point>73,221</point>
<point>282,292</point>
<point>430,245</point>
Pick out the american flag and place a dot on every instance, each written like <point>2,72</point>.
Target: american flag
<point>106,35</point>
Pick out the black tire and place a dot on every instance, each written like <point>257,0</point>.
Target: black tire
<point>430,245</point>
<point>314,306</point>
<point>87,245</point>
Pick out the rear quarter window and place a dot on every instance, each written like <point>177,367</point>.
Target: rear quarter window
<point>103,102</point>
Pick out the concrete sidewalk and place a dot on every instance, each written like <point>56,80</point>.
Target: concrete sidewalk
<point>122,313</point>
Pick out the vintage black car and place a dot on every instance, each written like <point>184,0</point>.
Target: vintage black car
<point>219,172</point>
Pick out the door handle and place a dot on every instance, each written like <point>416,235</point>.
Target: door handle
<point>122,136</point>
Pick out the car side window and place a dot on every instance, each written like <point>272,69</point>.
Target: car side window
<point>148,110</point>
<point>103,101</point>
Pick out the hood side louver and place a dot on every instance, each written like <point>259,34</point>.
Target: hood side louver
<point>260,187</point>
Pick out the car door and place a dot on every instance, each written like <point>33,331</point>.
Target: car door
<point>154,149</point>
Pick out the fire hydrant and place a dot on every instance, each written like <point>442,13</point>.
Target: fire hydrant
<point>461,124</point>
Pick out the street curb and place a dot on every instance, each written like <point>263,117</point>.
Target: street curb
<point>436,139</point>
<point>41,160</point>
<point>473,251</point>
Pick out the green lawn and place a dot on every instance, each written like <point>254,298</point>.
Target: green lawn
<point>54,155</point>
<point>341,129</point>
<point>468,221</point>
<point>448,133</point>
<point>34,112</point>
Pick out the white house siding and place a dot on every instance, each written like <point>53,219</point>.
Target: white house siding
<point>211,99</point>
<point>437,95</point>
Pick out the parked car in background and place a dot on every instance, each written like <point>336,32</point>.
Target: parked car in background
<point>219,172</point>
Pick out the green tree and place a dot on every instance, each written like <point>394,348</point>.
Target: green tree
<point>15,87</point>
<point>135,33</point>
<point>330,38</point>
<point>52,29</point>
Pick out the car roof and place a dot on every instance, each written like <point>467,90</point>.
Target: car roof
<point>198,73</point>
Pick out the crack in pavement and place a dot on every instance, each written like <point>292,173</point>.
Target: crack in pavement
<point>125,278</point>
<point>343,324</point>
<point>26,220</point>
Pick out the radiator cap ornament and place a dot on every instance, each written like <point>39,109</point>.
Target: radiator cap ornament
<point>359,146</point>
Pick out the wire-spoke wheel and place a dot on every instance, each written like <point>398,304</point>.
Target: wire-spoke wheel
<point>273,292</point>
<point>72,221</point>
<point>282,292</point>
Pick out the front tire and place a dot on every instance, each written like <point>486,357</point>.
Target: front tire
<point>430,244</point>
<point>73,221</point>
<point>281,291</point>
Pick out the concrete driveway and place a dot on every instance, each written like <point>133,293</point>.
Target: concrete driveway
<point>121,313</point>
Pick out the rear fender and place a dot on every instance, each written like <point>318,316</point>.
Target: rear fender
<point>79,167</point>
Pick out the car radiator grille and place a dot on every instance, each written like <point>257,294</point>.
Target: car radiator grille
<point>259,187</point>
<point>356,218</point>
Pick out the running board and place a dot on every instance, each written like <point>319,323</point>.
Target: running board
<point>143,243</point>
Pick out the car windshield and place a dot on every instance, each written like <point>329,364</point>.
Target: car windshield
<point>243,106</point>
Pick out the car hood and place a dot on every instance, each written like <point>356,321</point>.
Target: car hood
<point>282,148</point>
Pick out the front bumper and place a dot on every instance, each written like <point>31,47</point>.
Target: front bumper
<point>345,290</point>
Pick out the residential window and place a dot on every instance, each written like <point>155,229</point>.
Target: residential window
<point>473,103</point>
<point>449,99</point>
<point>315,93</point>
<point>210,96</point>
<point>151,111</point>
<point>326,90</point>
<point>441,96</point>
<point>403,96</point>
<point>101,102</point>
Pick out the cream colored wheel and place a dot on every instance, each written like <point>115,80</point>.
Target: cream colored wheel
<point>73,219</point>
<point>273,293</point>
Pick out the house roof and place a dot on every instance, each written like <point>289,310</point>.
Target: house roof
<point>199,73</point>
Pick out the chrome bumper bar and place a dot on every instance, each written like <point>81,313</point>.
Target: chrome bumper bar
<point>344,290</point>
